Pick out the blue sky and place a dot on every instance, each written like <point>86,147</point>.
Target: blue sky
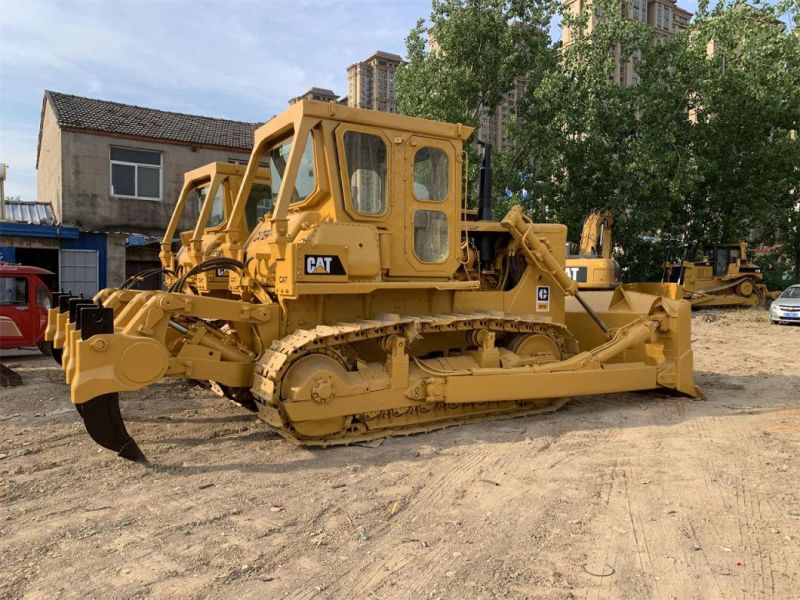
<point>237,59</point>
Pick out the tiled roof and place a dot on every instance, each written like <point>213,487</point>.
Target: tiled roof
<point>128,120</point>
<point>34,213</point>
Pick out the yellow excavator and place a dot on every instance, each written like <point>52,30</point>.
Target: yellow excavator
<point>356,310</point>
<point>213,188</point>
<point>593,267</point>
<point>724,276</point>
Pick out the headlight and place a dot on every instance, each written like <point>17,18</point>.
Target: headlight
<point>773,309</point>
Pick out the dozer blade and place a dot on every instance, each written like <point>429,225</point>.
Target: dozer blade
<point>103,421</point>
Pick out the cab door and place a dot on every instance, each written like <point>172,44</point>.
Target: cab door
<point>39,302</point>
<point>431,190</point>
<point>15,312</point>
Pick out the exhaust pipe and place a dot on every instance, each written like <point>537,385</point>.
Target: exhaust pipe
<point>485,243</point>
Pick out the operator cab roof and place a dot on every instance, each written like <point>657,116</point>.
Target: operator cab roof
<point>9,269</point>
<point>361,116</point>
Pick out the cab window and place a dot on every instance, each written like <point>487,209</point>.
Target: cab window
<point>217,214</point>
<point>306,180</point>
<point>42,296</point>
<point>431,236</point>
<point>366,159</point>
<point>431,174</point>
<point>721,262</point>
<point>14,291</point>
<point>259,203</point>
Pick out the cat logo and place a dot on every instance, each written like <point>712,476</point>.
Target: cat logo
<point>576,273</point>
<point>323,264</point>
<point>543,298</point>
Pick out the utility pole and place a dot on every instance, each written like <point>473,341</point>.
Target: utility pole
<point>3,169</point>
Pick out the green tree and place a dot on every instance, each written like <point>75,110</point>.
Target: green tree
<point>699,151</point>
<point>468,55</point>
<point>745,146</point>
<point>582,136</point>
<point>703,149</point>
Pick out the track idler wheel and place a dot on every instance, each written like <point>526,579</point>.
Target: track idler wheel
<point>745,288</point>
<point>103,422</point>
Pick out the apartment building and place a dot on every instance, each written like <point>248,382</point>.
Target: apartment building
<point>494,125</point>
<point>664,16</point>
<point>370,83</point>
<point>316,93</point>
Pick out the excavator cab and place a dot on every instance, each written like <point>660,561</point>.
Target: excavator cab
<point>355,312</point>
<point>593,266</point>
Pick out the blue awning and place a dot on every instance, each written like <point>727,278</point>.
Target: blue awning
<point>40,231</point>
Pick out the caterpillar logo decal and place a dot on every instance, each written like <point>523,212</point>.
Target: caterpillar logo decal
<point>576,273</point>
<point>542,298</point>
<point>323,264</point>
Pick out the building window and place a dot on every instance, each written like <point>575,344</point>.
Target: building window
<point>640,10</point>
<point>431,174</point>
<point>135,173</point>
<point>662,16</point>
<point>431,236</point>
<point>366,160</point>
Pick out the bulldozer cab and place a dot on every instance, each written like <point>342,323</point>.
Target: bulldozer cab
<point>212,189</point>
<point>386,195</point>
<point>724,256</point>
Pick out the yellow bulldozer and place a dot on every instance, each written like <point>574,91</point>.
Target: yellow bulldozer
<point>724,276</point>
<point>366,304</point>
<point>593,267</point>
<point>213,188</point>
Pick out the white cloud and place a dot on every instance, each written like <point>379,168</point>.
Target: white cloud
<point>18,151</point>
<point>242,59</point>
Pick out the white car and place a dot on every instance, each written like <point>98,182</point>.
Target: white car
<point>786,307</point>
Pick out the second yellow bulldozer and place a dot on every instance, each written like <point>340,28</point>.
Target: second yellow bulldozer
<point>724,276</point>
<point>213,188</point>
<point>362,307</point>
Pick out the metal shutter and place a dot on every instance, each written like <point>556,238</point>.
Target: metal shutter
<point>78,272</point>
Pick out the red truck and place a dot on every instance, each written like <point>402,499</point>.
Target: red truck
<point>24,300</point>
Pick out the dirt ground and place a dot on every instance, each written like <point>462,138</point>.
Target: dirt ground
<point>625,496</point>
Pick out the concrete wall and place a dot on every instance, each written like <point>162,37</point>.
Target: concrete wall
<point>115,259</point>
<point>86,191</point>
<point>48,177</point>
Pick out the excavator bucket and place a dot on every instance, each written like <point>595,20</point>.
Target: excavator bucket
<point>101,415</point>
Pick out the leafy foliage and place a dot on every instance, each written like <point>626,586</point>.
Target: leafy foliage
<point>704,149</point>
